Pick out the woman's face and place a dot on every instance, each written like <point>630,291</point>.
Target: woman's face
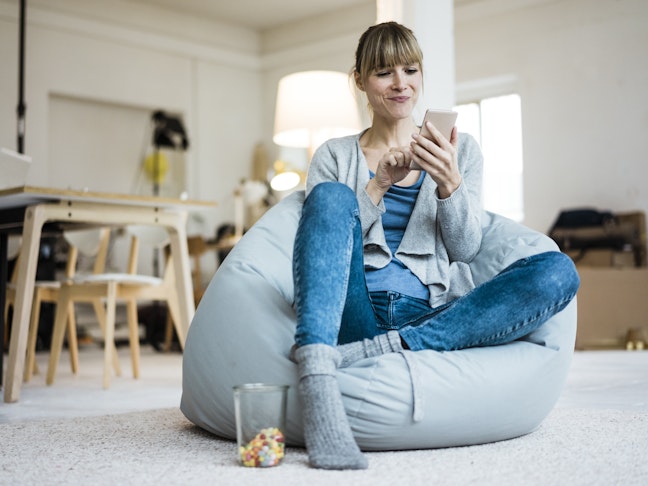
<point>393,92</point>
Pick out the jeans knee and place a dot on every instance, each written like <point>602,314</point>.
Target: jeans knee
<point>333,197</point>
<point>563,272</point>
<point>332,190</point>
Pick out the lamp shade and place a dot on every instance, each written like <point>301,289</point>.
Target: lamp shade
<point>313,106</point>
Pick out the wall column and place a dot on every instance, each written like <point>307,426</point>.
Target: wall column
<point>433,24</point>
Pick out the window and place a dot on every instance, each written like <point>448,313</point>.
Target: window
<point>496,124</point>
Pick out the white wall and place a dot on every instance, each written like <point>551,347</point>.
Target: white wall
<point>581,69</point>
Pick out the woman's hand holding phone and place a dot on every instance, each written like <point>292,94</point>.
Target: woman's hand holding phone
<point>434,150</point>
<point>442,120</point>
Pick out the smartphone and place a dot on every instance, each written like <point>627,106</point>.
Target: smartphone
<point>443,120</point>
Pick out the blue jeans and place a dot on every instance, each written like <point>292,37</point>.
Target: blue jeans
<point>334,306</point>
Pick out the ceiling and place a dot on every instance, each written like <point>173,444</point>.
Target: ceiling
<point>255,14</point>
<point>260,14</point>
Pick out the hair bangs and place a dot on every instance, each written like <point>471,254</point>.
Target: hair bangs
<point>396,51</point>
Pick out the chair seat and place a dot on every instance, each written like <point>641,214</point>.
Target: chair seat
<point>47,284</point>
<point>121,278</point>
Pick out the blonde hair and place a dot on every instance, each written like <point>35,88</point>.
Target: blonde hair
<point>386,45</point>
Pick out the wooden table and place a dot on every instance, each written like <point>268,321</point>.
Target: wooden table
<point>26,210</point>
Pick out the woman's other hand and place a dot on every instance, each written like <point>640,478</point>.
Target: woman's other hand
<point>393,167</point>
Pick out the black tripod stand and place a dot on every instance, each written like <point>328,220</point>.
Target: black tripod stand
<point>168,132</point>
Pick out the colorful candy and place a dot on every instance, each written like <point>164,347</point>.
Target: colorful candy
<point>264,450</point>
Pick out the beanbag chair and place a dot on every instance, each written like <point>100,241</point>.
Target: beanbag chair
<point>244,328</point>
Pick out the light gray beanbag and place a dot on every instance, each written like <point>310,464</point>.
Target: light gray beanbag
<point>244,326</point>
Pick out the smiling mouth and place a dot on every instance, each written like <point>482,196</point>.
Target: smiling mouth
<point>399,99</point>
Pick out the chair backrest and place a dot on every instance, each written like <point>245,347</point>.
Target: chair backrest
<point>87,241</point>
<point>90,243</point>
<point>155,238</point>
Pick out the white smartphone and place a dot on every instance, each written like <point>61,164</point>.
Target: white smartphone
<point>443,120</point>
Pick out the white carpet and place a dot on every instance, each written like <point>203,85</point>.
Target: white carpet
<point>572,447</point>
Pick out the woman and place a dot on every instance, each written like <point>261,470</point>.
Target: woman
<point>382,251</point>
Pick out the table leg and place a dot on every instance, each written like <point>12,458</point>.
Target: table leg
<point>33,225</point>
<point>183,282</point>
<point>3,295</point>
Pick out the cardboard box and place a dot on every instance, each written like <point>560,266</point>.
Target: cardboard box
<point>611,301</point>
<point>637,221</point>
<point>603,258</point>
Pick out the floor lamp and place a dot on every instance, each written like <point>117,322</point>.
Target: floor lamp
<point>312,107</point>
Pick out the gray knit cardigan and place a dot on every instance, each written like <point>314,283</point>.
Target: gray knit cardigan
<point>442,236</point>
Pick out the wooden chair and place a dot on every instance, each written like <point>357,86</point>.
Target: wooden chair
<point>105,290</point>
<point>197,246</point>
<point>91,243</point>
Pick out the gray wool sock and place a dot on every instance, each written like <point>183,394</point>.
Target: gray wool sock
<point>367,348</point>
<point>329,440</point>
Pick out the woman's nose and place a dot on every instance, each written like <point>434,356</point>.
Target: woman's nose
<point>399,81</point>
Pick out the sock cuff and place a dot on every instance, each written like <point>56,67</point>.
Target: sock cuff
<point>389,342</point>
<point>394,340</point>
<point>317,359</point>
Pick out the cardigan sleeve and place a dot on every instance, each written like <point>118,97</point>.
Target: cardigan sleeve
<point>459,216</point>
<point>323,168</point>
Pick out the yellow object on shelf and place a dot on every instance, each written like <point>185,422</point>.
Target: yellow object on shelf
<point>156,167</point>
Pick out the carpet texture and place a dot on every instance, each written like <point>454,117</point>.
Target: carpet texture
<point>573,446</point>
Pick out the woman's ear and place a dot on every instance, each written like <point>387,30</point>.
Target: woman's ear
<point>358,81</point>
